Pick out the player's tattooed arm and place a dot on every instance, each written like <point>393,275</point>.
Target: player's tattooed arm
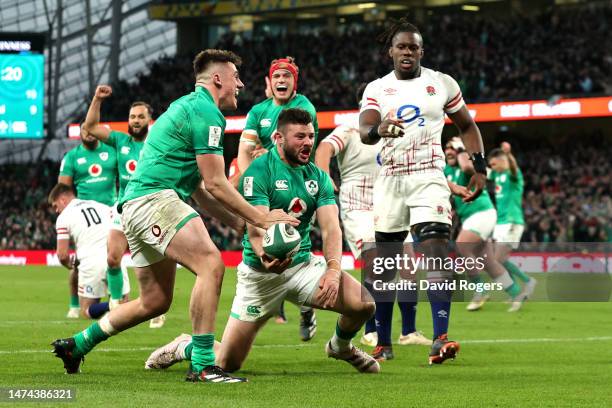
<point>327,217</point>
<point>207,202</point>
<point>92,120</point>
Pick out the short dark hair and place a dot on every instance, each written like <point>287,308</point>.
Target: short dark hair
<point>142,103</point>
<point>293,116</point>
<point>58,190</point>
<point>497,152</point>
<point>400,26</point>
<point>210,56</point>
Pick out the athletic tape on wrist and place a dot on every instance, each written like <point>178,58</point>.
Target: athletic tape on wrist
<point>480,165</point>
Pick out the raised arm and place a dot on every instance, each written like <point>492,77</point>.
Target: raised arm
<point>92,121</point>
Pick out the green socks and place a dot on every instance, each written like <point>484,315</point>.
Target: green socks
<point>114,277</point>
<point>516,272</point>
<point>74,301</point>
<point>88,338</point>
<point>202,352</point>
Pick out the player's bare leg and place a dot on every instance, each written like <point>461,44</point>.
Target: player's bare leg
<point>354,312</point>
<point>117,245</point>
<point>91,308</point>
<point>73,286</point>
<point>236,343</point>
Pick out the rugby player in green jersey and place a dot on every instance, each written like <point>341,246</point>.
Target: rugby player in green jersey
<point>127,147</point>
<point>183,157</point>
<point>285,178</point>
<point>91,169</point>
<point>258,137</point>
<point>510,222</point>
<point>478,219</point>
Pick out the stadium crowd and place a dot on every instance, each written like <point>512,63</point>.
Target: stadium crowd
<point>518,57</point>
<point>568,198</point>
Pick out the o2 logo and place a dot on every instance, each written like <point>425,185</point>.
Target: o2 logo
<point>410,113</point>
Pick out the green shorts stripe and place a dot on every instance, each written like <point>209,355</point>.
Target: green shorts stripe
<point>185,220</point>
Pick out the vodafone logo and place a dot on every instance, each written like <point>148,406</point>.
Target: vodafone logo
<point>95,170</point>
<point>297,207</point>
<point>130,166</point>
<point>498,188</point>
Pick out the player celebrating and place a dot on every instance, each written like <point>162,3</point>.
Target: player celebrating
<point>510,222</point>
<point>184,148</point>
<point>127,148</point>
<point>284,178</point>
<point>478,219</point>
<point>358,164</point>
<point>91,168</point>
<point>87,222</point>
<point>257,138</point>
<point>406,109</point>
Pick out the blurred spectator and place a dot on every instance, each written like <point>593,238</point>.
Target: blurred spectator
<point>558,52</point>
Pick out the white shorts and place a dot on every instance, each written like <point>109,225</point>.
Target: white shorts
<point>259,294</point>
<point>509,234</point>
<point>150,222</point>
<point>358,229</point>
<point>481,223</point>
<point>92,278</point>
<point>116,219</point>
<point>405,200</point>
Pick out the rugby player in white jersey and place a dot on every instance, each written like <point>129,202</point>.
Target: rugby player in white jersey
<point>359,167</point>
<point>406,109</point>
<point>87,223</point>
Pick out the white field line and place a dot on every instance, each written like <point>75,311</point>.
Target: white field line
<point>301,345</point>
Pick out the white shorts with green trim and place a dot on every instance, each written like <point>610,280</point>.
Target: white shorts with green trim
<point>259,295</point>
<point>92,277</point>
<point>116,219</point>
<point>481,223</point>
<point>509,234</point>
<point>150,222</point>
<point>405,200</point>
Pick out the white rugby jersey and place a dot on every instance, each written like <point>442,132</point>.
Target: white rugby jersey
<point>87,222</point>
<point>358,164</point>
<point>421,104</point>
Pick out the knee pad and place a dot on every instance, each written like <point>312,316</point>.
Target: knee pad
<point>399,236</point>
<point>431,230</point>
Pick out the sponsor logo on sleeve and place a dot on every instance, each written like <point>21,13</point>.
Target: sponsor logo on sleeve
<point>214,136</point>
<point>247,186</point>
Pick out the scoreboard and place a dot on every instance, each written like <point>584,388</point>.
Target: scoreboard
<point>22,84</point>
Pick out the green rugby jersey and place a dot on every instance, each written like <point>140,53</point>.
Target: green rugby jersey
<point>93,172</point>
<point>465,210</point>
<point>191,126</point>
<point>262,119</point>
<point>508,196</point>
<point>128,153</point>
<point>299,191</point>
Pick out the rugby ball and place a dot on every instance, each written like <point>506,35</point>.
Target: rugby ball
<point>281,241</point>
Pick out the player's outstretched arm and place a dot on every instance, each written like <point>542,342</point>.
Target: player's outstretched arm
<point>245,151</point>
<point>470,134</point>
<point>327,217</point>
<point>211,168</point>
<point>207,202</point>
<point>92,120</point>
<point>507,148</point>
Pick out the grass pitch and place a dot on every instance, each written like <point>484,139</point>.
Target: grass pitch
<point>548,354</point>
